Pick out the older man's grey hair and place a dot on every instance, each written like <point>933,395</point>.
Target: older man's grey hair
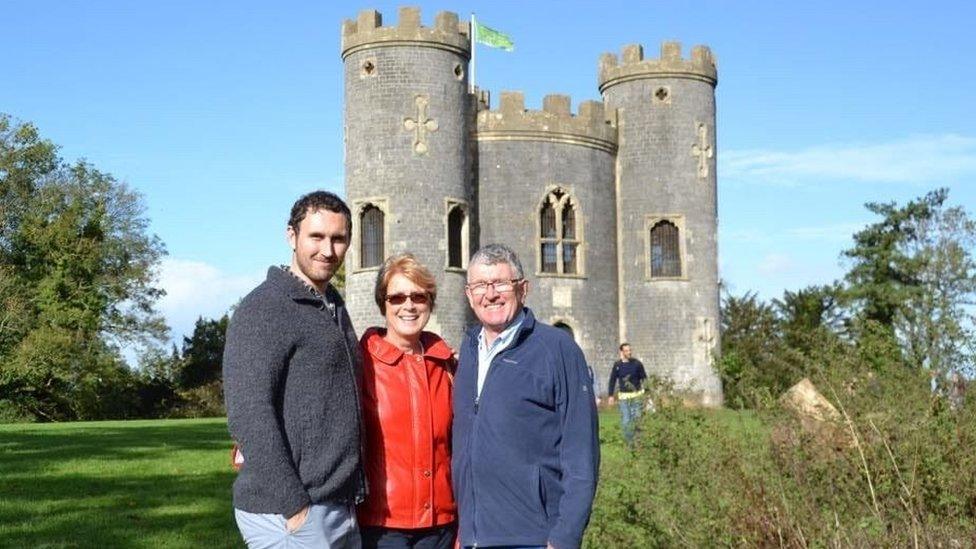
<point>493,254</point>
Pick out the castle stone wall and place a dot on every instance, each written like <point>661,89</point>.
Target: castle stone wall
<point>664,116</point>
<point>407,122</point>
<point>514,176</point>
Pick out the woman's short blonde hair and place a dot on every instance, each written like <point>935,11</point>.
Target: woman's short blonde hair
<point>407,265</point>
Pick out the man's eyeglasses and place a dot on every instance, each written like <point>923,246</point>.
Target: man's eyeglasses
<point>417,298</point>
<point>500,286</point>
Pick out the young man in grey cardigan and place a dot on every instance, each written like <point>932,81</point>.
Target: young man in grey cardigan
<point>291,384</point>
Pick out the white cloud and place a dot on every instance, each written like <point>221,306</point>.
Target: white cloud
<point>924,159</point>
<point>775,264</point>
<point>195,288</point>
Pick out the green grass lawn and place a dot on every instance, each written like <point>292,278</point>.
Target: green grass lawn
<point>153,484</point>
<point>116,484</point>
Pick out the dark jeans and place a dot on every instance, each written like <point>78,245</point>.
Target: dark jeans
<point>438,537</point>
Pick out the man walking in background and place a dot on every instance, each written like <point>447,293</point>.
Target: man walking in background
<point>291,384</point>
<point>526,449</point>
<point>630,374</point>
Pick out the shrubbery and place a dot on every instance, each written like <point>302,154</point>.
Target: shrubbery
<point>897,468</point>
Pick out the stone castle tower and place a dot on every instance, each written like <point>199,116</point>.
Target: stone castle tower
<point>612,210</point>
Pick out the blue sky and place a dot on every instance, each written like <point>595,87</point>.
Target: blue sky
<point>221,113</point>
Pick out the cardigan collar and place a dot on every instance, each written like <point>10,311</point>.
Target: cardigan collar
<point>388,353</point>
<point>299,290</point>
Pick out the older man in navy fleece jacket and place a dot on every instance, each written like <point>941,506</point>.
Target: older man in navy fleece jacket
<point>526,449</point>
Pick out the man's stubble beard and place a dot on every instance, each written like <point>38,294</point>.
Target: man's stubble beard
<point>307,267</point>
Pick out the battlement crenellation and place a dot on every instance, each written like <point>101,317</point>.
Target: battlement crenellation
<point>591,126</point>
<point>367,31</point>
<point>633,66</point>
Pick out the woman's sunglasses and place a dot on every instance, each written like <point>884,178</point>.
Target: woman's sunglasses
<point>417,298</point>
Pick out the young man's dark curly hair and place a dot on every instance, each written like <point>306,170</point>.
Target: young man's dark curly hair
<point>315,201</point>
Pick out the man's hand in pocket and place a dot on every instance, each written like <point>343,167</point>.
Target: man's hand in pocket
<point>297,520</point>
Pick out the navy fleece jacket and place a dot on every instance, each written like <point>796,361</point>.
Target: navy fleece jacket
<point>526,452</point>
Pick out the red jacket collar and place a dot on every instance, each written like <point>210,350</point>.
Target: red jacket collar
<point>386,352</point>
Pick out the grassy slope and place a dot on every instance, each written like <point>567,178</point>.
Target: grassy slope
<point>160,483</point>
<point>744,425</point>
<point>639,502</point>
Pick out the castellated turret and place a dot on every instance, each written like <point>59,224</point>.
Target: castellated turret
<point>408,117</point>
<point>545,180</point>
<point>611,208</point>
<point>667,211</point>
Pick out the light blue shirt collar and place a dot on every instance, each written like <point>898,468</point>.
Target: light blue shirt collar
<point>487,353</point>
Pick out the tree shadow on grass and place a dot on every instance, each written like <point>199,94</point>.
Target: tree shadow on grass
<point>37,450</point>
<point>117,484</point>
<point>144,511</point>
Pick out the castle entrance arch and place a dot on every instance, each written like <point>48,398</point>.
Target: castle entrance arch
<point>566,328</point>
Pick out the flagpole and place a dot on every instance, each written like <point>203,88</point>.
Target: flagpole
<point>472,35</point>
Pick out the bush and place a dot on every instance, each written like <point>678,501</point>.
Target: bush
<point>10,412</point>
<point>203,401</point>
<point>897,468</point>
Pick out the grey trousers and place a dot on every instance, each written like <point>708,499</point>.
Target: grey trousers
<point>328,526</point>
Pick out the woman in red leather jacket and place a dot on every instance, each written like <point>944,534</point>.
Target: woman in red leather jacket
<point>407,379</point>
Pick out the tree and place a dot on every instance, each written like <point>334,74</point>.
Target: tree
<point>25,161</point>
<point>753,366</point>
<point>78,267</point>
<point>203,353</point>
<point>913,274</point>
<point>883,275</point>
<point>810,313</point>
<point>157,395</point>
<point>936,323</point>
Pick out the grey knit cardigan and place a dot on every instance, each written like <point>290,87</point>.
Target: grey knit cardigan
<point>291,385</point>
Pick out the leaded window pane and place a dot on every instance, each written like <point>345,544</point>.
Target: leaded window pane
<point>569,222</point>
<point>372,243</point>
<point>665,250</point>
<point>569,258</point>
<point>548,221</point>
<point>549,257</point>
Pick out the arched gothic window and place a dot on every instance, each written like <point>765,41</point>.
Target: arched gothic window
<point>372,252</point>
<point>559,235</point>
<point>665,250</point>
<point>455,237</point>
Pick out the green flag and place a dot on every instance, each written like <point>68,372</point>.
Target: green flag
<point>490,37</point>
